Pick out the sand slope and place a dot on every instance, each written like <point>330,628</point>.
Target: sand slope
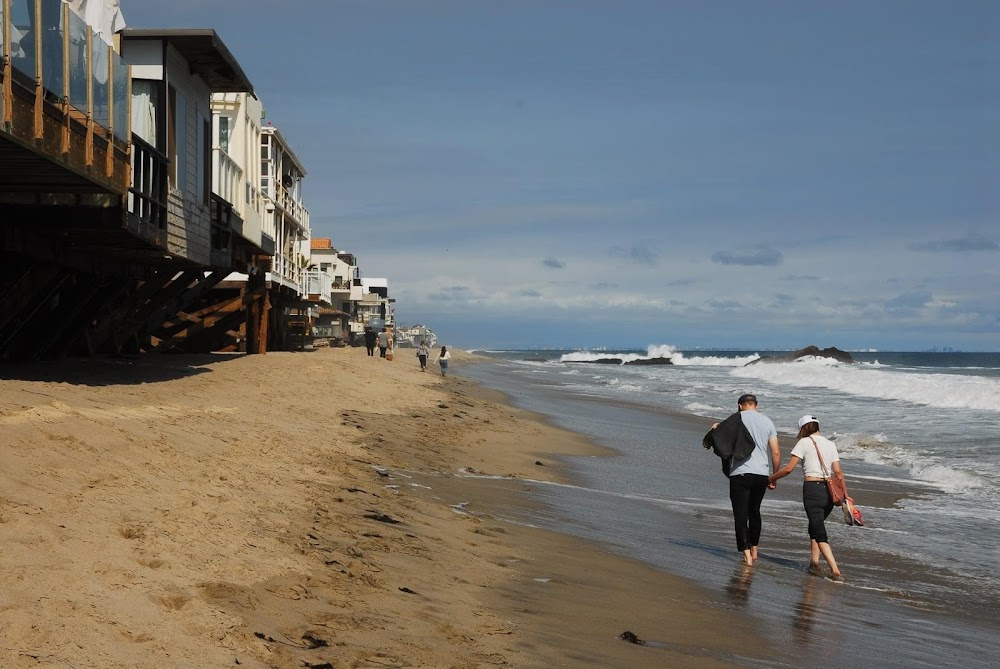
<point>217,511</point>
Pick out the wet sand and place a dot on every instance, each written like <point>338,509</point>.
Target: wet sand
<point>299,509</point>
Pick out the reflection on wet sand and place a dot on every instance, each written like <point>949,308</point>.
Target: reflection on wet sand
<point>739,584</point>
<point>815,598</point>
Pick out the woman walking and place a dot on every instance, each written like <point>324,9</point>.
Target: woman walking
<point>818,455</point>
<point>422,352</point>
<point>443,358</point>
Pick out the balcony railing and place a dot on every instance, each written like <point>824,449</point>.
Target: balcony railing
<point>51,48</point>
<point>317,282</point>
<point>147,199</point>
<point>228,176</point>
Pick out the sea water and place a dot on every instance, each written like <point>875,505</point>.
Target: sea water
<point>919,436</point>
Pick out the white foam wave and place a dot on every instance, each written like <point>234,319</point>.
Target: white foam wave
<point>713,361</point>
<point>940,390</point>
<point>877,449</point>
<point>704,409</point>
<point>660,351</point>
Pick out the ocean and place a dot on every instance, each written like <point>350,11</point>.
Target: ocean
<point>919,437</point>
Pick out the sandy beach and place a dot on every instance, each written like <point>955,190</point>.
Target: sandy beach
<point>306,509</point>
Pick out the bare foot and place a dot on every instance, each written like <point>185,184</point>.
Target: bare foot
<point>836,576</point>
<point>747,558</point>
<point>815,569</point>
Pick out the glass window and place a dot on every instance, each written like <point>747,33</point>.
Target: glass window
<point>224,133</point>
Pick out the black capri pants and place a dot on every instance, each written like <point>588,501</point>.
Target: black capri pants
<point>818,504</point>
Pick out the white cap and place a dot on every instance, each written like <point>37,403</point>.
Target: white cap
<point>808,418</point>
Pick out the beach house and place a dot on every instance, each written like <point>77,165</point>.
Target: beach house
<point>64,175</point>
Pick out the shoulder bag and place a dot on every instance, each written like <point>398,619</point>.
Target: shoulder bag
<point>834,485</point>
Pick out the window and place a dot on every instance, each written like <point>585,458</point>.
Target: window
<point>324,266</point>
<point>177,138</point>
<point>224,133</point>
<point>205,164</point>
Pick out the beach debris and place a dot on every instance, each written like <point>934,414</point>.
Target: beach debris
<point>314,641</point>
<point>382,518</point>
<point>322,665</point>
<point>442,405</point>
<point>630,637</point>
<point>407,591</point>
<point>539,463</point>
<point>382,472</point>
<point>355,490</point>
<point>542,580</point>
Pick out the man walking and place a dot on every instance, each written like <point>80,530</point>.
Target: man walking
<point>748,468</point>
<point>370,338</point>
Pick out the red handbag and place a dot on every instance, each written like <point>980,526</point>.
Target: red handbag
<point>834,486</point>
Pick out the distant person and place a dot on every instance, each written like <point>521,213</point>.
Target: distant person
<point>443,358</point>
<point>422,352</point>
<point>818,456</point>
<point>370,338</point>
<point>749,445</point>
<point>383,342</point>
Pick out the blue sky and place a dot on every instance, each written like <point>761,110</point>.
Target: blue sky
<point>701,173</point>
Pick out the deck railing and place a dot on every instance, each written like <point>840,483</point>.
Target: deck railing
<point>49,47</point>
<point>317,282</point>
<point>147,199</point>
<point>228,176</point>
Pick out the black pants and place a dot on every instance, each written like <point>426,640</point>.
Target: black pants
<point>746,492</point>
<point>382,350</point>
<point>371,349</point>
<point>816,499</point>
<point>423,361</point>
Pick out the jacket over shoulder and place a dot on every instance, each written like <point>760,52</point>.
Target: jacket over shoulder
<point>731,441</point>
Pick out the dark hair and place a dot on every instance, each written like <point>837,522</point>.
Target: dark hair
<point>808,429</point>
<point>444,348</point>
<point>747,399</point>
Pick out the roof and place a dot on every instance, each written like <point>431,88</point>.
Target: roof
<point>321,243</point>
<point>205,52</point>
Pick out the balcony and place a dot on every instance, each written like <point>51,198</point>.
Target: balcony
<point>228,177</point>
<point>316,285</point>
<point>64,103</point>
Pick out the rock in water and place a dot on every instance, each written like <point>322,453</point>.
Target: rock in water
<point>831,352</point>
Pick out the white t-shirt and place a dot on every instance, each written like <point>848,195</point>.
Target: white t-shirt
<point>805,451</point>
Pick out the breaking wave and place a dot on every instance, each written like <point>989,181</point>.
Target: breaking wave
<point>876,449</point>
<point>659,351</point>
<point>940,390</point>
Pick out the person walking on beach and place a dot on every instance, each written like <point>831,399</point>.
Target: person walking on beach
<point>422,352</point>
<point>753,454</point>
<point>383,342</point>
<point>370,338</point>
<point>443,357</point>
<point>818,455</point>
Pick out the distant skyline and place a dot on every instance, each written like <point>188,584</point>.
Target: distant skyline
<point>695,173</point>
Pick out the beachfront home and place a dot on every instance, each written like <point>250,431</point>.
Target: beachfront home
<point>374,307</point>
<point>328,279</point>
<point>286,220</point>
<point>64,174</point>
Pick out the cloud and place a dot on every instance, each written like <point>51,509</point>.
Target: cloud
<point>643,255</point>
<point>759,255</point>
<point>602,285</point>
<point>553,263</point>
<point>971,242</point>
<point>528,293</point>
<point>800,277</point>
<point>911,300</point>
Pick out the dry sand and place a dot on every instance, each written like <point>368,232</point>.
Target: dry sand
<point>220,511</point>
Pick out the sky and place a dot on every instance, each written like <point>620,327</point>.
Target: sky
<point>582,173</point>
